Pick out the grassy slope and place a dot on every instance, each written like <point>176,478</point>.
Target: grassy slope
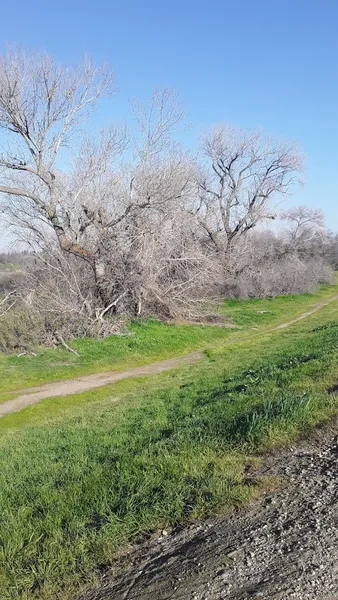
<point>90,472</point>
<point>151,341</point>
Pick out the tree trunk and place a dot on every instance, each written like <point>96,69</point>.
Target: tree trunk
<point>101,281</point>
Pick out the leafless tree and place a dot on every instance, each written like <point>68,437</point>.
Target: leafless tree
<point>154,184</point>
<point>304,227</point>
<point>267,263</point>
<point>243,175</point>
<point>42,106</point>
<point>128,221</point>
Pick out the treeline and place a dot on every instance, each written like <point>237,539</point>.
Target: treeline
<point>132,222</point>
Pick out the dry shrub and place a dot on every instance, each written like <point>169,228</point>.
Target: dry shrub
<point>20,330</point>
<point>289,275</point>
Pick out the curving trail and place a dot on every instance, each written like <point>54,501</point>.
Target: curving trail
<point>85,383</point>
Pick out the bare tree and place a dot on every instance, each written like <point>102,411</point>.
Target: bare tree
<point>304,225</point>
<point>265,263</point>
<point>154,184</point>
<point>243,175</point>
<point>128,221</point>
<point>42,106</point>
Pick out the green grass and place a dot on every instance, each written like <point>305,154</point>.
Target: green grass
<point>82,476</point>
<point>260,313</point>
<point>5,267</point>
<point>151,341</point>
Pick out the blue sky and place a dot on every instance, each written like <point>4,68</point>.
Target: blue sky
<point>259,64</point>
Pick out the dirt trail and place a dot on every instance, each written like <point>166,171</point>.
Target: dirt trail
<point>89,382</point>
<point>85,383</point>
<point>282,547</point>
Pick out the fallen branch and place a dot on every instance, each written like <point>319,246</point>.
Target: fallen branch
<point>3,302</point>
<point>99,317</point>
<point>105,310</point>
<point>60,339</point>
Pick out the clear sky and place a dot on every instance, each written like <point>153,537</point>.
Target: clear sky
<point>259,64</point>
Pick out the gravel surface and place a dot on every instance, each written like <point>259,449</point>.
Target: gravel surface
<point>284,546</point>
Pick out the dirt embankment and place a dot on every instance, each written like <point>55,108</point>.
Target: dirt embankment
<point>283,547</point>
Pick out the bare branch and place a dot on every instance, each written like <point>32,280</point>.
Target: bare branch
<point>247,173</point>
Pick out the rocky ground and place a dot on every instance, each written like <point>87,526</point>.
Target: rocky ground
<point>284,546</point>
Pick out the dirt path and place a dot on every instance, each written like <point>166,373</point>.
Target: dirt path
<point>283,547</point>
<point>88,382</point>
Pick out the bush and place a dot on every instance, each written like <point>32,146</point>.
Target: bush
<point>289,275</point>
<point>20,329</point>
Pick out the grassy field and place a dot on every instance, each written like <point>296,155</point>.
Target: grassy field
<point>84,475</point>
<point>151,341</point>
